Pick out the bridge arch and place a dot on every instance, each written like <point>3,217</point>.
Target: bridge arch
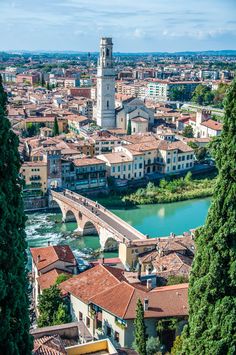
<point>89,228</point>
<point>70,216</point>
<point>111,244</point>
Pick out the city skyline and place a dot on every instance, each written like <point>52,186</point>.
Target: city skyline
<point>77,25</point>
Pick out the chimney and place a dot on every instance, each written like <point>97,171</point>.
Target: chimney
<point>38,258</point>
<point>149,284</point>
<point>145,304</point>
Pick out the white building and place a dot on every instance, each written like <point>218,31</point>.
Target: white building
<point>105,111</point>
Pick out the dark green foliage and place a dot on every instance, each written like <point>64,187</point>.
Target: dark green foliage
<point>188,131</point>
<point>203,95</point>
<point>179,93</point>
<point>201,154</point>
<point>55,127</point>
<point>212,293</point>
<point>62,277</point>
<point>14,316</point>
<point>129,128</point>
<point>175,280</point>
<point>140,337</point>
<point>53,309</point>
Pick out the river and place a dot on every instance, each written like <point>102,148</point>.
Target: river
<point>155,220</point>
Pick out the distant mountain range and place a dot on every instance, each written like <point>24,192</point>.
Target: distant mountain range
<point>224,52</point>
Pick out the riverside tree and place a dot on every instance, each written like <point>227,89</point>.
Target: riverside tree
<point>140,337</point>
<point>212,290</point>
<point>14,316</point>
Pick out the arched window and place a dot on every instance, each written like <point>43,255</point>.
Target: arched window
<point>107,52</point>
<point>107,104</point>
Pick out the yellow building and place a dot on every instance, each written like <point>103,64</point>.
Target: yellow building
<point>103,346</point>
<point>35,176</point>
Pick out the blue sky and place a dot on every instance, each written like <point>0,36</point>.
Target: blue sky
<point>135,25</point>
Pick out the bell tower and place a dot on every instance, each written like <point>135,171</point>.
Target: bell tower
<point>106,85</point>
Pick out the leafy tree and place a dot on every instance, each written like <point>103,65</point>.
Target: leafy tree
<point>188,131</point>
<point>201,153</point>
<point>129,128</point>
<point>140,330</point>
<point>55,127</point>
<point>188,177</point>
<point>48,86</point>
<point>52,308</point>
<point>153,346</point>
<point>62,277</point>
<point>176,349</point>
<point>14,303</point>
<point>178,93</point>
<point>203,95</point>
<point>212,301</point>
<point>219,94</point>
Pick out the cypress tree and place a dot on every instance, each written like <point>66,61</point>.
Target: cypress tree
<point>55,127</point>
<point>129,128</point>
<point>212,292</point>
<point>14,317</point>
<point>140,337</point>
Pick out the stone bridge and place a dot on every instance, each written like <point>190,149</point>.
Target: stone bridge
<point>94,219</point>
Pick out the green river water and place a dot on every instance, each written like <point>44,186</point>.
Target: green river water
<point>155,220</point>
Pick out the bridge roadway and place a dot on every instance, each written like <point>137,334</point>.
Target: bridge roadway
<point>117,224</point>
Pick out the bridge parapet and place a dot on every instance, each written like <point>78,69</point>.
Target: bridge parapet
<point>76,203</point>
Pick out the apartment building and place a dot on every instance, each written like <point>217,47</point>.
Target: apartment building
<point>84,174</point>
<point>105,302</point>
<point>35,177</point>
<point>104,142</point>
<point>121,165</point>
<point>163,90</point>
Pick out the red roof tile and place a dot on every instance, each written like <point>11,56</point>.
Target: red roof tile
<point>45,256</point>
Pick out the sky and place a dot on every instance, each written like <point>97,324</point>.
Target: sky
<point>134,25</point>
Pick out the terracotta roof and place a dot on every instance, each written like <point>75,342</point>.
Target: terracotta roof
<point>216,126</point>
<point>121,300</point>
<point>49,278</point>
<point>115,157</point>
<point>93,281</point>
<point>49,345</point>
<point>45,256</point>
<point>87,161</point>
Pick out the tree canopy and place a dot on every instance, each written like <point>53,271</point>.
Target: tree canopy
<point>53,309</point>
<point>14,315</point>
<point>188,131</point>
<point>140,337</point>
<point>212,290</point>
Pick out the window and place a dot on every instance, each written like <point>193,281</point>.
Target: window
<point>179,166</point>
<point>118,168</point>
<point>80,316</point>
<point>88,322</point>
<point>107,104</point>
<point>168,161</point>
<point>183,158</point>
<point>174,167</point>
<point>108,331</point>
<point>117,337</point>
<point>113,169</point>
<point>140,165</point>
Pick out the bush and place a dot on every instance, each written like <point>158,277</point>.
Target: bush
<point>153,346</point>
